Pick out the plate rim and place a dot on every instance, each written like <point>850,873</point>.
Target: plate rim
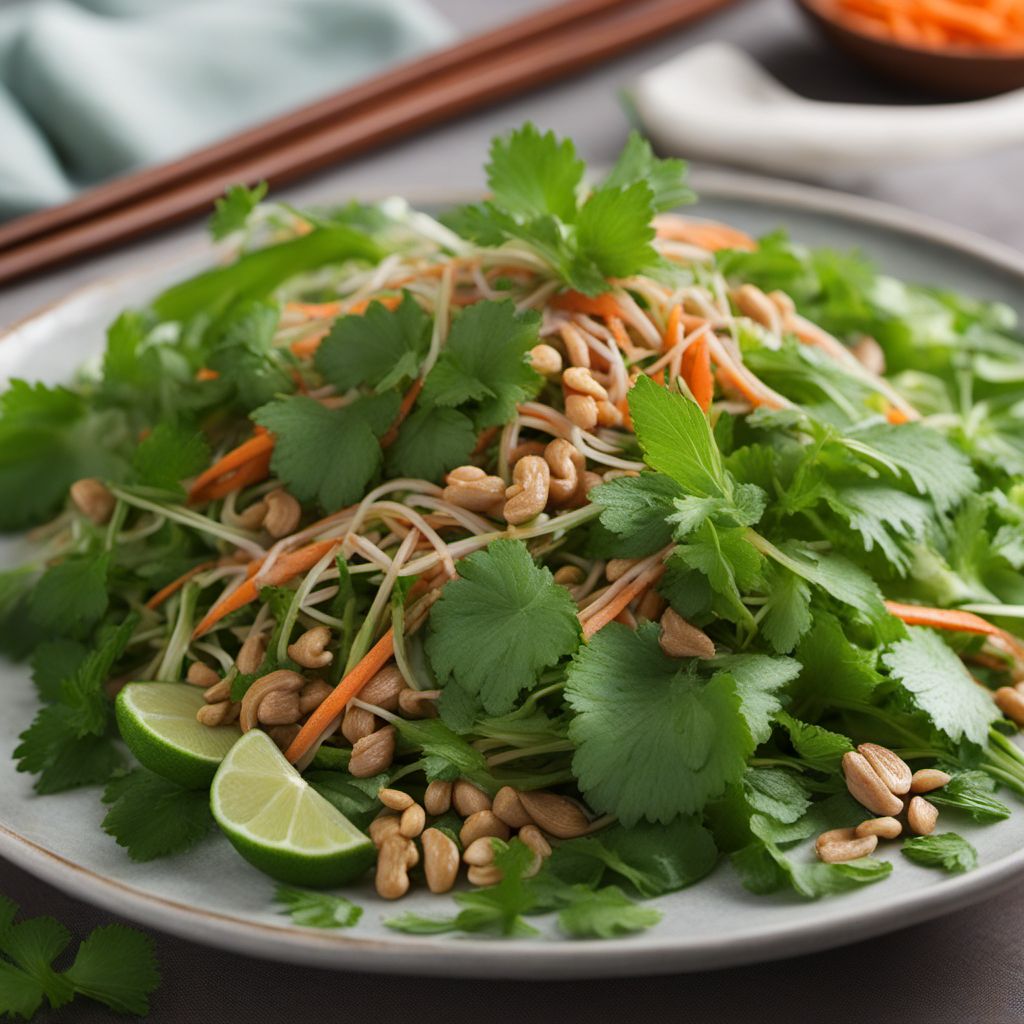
<point>542,959</point>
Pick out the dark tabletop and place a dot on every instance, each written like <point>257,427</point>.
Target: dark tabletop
<point>964,967</point>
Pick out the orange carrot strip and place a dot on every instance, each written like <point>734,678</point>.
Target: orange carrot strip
<point>257,445</point>
<point>896,416</point>
<point>610,611</point>
<point>175,585</point>
<point>674,332</point>
<point>368,666</point>
<point>594,305</point>
<point>707,234</point>
<point>696,371</point>
<point>304,348</point>
<point>251,473</point>
<point>408,401</point>
<point>314,310</point>
<point>286,568</point>
<point>952,619</point>
<point>204,373</point>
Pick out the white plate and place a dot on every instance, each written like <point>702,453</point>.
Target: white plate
<point>211,896</point>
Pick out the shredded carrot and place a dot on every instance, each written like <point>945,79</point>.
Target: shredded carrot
<point>368,666</point>
<point>286,568</point>
<point>696,371</point>
<point>594,305</point>
<point>977,24</point>
<point>954,620</point>
<point>674,330</point>
<point>204,373</point>
<point>707,234</point>
<point>408,401</point>
<point>896,416</point>
<point>314,310</point>
<point>613,608</point>
<point>258,445</point>
<point>252,472</point>
<point>175,585</point>
<point>305,348</point>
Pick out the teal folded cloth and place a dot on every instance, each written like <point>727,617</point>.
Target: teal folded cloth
<point>92,88</point>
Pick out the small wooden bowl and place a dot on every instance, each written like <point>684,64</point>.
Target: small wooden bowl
<point>959,73</point>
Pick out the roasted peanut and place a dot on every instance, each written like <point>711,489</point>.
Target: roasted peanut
<point>681,640</point>
<point>200,674</point>
<point>282,681</point>
<point>252,517</point>
<point>92,498</point>
<point>282,735</point>
<point>383,689</point>
<point>385,824</point>
<point>569,575</point>
<point>884,828</point>
<point>438,797</point>
<point>392,880</point>
<point>616,568</point>
<point>545,360</point>
<point>1011,702</point>
<point>357,724</point>
<point>395,799</point>
<point>557,815</point>
<point>283,513</point>
<point>471,488</point>
<point>484,876</point>
<point>278,708</point>
<point>927,779</point>
<point>214,714</point>
<point>418,703</point>
<point>313,694</point>
<point>251,654</point>
<point>576,347</point>
<point>310,651</point>
<point>412,821</point>
<point>921,816</point>
<point>482,823</point>
<point>582,410</point>
<point>467,799</point>
<point>580,380</point>
<point>373,754</point>
<point>870,355</point>
<point>509,808</point>
<point>891,769</point>
<point>528,494</point>
<point>221,690</point>
<point>440,860</point>
<point>479,853</point>
<point>867,787</point>
<point>608,414</point>
<point>843,844</point>
<point>566,463</point>
<point>532,837</point>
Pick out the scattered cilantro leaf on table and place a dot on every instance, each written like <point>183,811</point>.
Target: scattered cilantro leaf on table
<point>114,965</point>
<point>500,624</point>
<point>317,909</point>
<point>946,850</point>
<point>604,914</point>
<point>71,597</point>
<point>153,817</point>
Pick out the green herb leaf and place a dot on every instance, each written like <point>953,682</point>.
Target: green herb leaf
<point>604,914</point>
<point>940,685</point>
<point>317,909</point>
<point>946,850</point>
<point>820,748</point>
<point>431,442</point>
<point>71,598</point>
<point>637,510</point>
<point>116,966</point>
<point>168,455</point>
<point>500,624</point>
<point>233,209</point>
<point>153,817</point>
<point>614,229</point>
<point>665,178</point>
<point>971,792</point>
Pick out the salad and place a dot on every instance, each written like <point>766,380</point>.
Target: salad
<point>565,546</point>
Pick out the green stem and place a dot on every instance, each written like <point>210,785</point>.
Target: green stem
<point>554,747</point>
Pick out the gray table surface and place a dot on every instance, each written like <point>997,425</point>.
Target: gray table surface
<point>965,967</point>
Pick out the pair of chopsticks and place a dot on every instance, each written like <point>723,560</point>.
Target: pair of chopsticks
<point>546,46</point>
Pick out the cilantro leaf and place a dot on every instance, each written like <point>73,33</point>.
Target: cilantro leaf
<point>232,210</point>
<point>355,798</point>
<point>20,994</point>
<point>153,817</point>
<point>317,909</point>
<point>835,575</point>
<point>676,438</point>
<point>833,667</point>
<point>777,793</point>
<point>665,178</point>
<point>245,356</point>
<point>947,850</point>
<point>447,755</point>
<point>168,455</point>
<point>496,627</point>
<point>71,598</point>
<point>731,564</point>
<point>498,908</point>
<point>787,614</point>
<point>54,662</point>
<point>323,455</point>
<point>641,721</point>
<point>431,442</point>
<point>485,362</point>
<point>936,467</point>
<point>884,517</point>
<point>604,914</point>
<point>614,229</point>
<point>757,678</point>
<point>971,792</point>
<point>115,966</point>
<point>379,349</point>
<point>817,746</point>
<point>940,685</point>
<point>636,509</point>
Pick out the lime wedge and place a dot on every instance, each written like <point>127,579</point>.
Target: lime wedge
<point>279,823</point>
<point>158,722</point>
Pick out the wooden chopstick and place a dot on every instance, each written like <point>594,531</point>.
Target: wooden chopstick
<point>467,86</point>
<point>121,191</point>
